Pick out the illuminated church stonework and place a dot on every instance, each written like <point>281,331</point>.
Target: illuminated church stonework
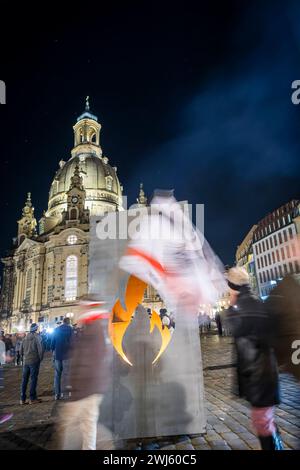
<point>47,271</point>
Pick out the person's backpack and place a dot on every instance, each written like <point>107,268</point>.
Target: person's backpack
<point>283,305</point>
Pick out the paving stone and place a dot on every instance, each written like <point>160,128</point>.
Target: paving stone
<point>184,446</point>
<point>228,427</point>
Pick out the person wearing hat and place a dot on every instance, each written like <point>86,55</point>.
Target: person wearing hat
<point>253,332</point>
<point>32,353</point>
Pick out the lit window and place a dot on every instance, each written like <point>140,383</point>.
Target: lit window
<point>109,182</point>
<point>71,278</point>
<point>72,239</point>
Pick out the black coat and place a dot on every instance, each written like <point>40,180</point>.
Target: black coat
<point>253,331</point>
<point>283,305</point>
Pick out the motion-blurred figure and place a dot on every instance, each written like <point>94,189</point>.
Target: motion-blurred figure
<point>18,349</point>
<point>60,346</point>
<point>219,324</point>
<point>253,331</point>
<point>170,254</point>
<point>89,379</point>
<point>284,305</point>
<point>3,359</point>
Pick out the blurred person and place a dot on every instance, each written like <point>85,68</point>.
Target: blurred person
<point>18,350</point>
<point>3,359</point>
<point>8,343</point>
<point>89,379</point>
<point>172,255</point>
<point>253,332</point>
<point>283,304</point>
<point>32,353</point>
<point>219,324</point>
<point>60,346</point>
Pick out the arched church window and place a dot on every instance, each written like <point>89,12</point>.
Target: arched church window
<point>109,182</point>
<point>73,214</point>
<point>81,136</point>
<point>71,279</point>
<point>29,278</point>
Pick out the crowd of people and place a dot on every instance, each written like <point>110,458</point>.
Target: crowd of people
<point>263,333</point>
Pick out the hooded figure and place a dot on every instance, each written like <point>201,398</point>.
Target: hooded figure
<point>253,332</point>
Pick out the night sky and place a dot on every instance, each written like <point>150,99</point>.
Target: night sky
<point>195,100</point>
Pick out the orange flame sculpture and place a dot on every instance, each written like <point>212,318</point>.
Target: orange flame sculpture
<point>120,318</point>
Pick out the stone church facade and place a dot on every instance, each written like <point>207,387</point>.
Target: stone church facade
<point>46,272</point>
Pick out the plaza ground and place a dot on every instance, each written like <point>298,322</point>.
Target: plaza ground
<point>228,417</point>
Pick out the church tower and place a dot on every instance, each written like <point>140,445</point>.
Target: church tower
<point>27,224</point>
<point>76,200</point>
<point>142,199</point>
<point>87,133</point>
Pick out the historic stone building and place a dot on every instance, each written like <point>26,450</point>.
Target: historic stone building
<point>47,270</point>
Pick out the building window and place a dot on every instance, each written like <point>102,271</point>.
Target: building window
<point>72,239</point>
<point>269,258</point>
<point>275,240</point>
<point>71,278</point>
<point>258,263</point>
<point>296,266</point>
<point>291,268</point>
<point>288,252</point>
<point>267,244</point>
<point>260,278</point>
<point>293,249</point>
<point>74,213</point>
<point>109,182</point>
<point>285,236</point>
<point>263,246</point>
<point>282,254</point>
<point>280,238</point>
<point>276,273</point>
<point>265,258</point>
<point>29,279</point>
<point>280,270</point>
<point>272,274</point>
<point>290,232</point>
<point>273,257</point>
<point>50,294</point>
<point>277,256</point>
<point>271,242</point>
<point>28,286</point>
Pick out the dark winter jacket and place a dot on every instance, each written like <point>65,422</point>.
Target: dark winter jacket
<point>253,331</point>
<point>31,349</point>
<point>90,371</point>
<point>61,342</point>
<point>283,305</point>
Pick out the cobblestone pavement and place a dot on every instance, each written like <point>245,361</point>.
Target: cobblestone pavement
<point>228,423</point>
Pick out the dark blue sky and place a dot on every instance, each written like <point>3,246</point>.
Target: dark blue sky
<point>196,100</point>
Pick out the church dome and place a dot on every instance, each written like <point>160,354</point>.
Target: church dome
<point>100,181</point>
